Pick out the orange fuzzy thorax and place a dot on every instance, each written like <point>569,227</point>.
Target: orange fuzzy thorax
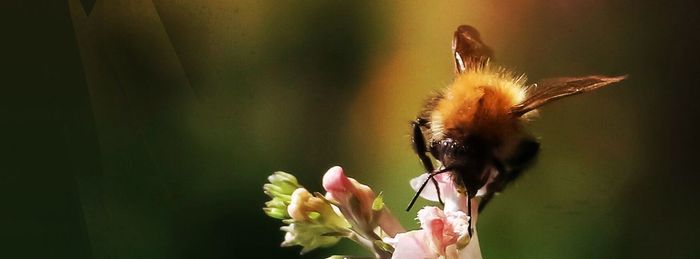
<point>479,102</point>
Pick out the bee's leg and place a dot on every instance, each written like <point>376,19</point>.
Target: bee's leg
<point>420,147</point>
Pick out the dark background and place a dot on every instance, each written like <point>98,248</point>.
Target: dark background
<point>146,128</point>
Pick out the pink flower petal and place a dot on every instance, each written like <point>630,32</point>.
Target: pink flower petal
<point>343,190</point>
<point>412,245</point>
<point>434,221</point>
<point>389,223</point>
<point>335,180</point>
<point>443,229</point>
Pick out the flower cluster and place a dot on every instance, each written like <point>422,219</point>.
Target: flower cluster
<point>312,222</point>
<point>353,210</point>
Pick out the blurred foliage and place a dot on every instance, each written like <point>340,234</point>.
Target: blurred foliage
<point>146,129</point>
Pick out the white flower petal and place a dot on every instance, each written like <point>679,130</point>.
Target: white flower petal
<point>453,200</point>
<point>429,192</point>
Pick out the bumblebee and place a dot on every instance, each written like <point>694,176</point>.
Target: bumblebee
<point>475,127</point>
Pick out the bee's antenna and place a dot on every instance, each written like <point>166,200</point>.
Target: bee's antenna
<point>430,176</point>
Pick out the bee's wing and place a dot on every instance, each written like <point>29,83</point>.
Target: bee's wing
<point>468,49</point>
<point>552,89</point>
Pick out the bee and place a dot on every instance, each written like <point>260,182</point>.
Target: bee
<point>475,127</point>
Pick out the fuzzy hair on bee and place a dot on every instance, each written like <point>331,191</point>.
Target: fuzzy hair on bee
<point>478,102</point>
<point>475,127</point>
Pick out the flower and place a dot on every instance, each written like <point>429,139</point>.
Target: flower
<point>439,228</point>
<point>352,210</point>
<point>443,234</point>
<point>411,244</point>
<point>349,192</point>
<point>360,205</point>
<point>306,208</point>
<point>454,200</point>
<point>308,235</point>
<point>444,228</point>
<point>312,220</point>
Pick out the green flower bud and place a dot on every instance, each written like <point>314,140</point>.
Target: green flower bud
<point>308,235</point>
<point>276,213</point>
<point>287,182</point>
<point>280,189</point>
<point>313,221</point>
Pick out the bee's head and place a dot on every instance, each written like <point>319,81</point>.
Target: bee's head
<point>467,159</point>
<point>455,153</point>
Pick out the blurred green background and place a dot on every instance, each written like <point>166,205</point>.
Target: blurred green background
<point>146,128</point>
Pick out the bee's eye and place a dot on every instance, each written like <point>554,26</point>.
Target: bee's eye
<point>446,145</point>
